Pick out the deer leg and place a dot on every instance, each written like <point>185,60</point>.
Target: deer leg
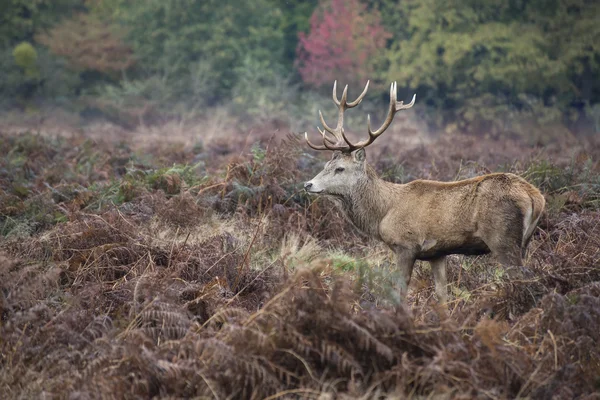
<point>503,234</point>
<point>405,263</point>
<point>510,257</point>
<point>438,267</point>
<point>507,251</point>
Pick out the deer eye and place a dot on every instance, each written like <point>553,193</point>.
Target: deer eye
<point>339,169</point>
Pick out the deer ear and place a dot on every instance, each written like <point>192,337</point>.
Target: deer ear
<point>336,154</point>
<point>360,155</point>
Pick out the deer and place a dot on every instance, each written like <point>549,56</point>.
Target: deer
<point>424,220</point>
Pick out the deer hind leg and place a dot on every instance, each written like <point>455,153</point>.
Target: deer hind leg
<point>405,263</point>
<point>508,253</point>
<point>438,267</point>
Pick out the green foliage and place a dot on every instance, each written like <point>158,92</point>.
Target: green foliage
<point>494,67</point>
<point>47,78</point>
<point>262,93</point>
<point>105,9</point>
<point>480,62</point>
<point>593,113</point>
<point>20,19</point>
<point>25,56</point>
<point>149,98</point>
<point>133,101</point>
<point>170,180</point>
<point>12,78</point>
<point>296,18</point>
<point>61,84</point>
<point>36,213</point>
<point>344,262</point>
<point>172,35</point>
<point>22,73</point>
<point>578,184</point>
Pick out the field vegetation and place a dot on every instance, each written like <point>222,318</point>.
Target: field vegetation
<point>155,240</point>
<point>144,269</point>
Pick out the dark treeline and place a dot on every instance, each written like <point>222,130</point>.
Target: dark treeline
<point>491,66</point>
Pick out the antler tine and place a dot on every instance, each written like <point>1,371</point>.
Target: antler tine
<point>334,93</point>
<point>334,132</point>
<point>328,144</point>
<point>344,99</point>
<point>314,146</point>
<point>402,106</point>
<point>338,131</point>
<point>360,97</point>
<point>394,106</point>
<point>343,105</point>
<point>331,145</point>
<point>324,133</point>
<point>388,119</point>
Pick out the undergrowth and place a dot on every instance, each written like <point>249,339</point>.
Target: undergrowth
<point>187,274</point>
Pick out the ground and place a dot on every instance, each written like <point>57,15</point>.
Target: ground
<point>150,264</point>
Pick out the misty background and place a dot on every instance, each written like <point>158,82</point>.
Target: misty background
<point>527,69</point>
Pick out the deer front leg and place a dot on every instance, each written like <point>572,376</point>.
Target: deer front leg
<point>405,262</point>
<point>438,267</point>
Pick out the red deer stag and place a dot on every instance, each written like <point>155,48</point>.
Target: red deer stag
<point>425,220</point>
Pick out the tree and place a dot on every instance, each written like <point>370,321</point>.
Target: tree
<point>170,37</point>
<point>21,19</point>
<point>572,36</point>
<point>487,64</point>
<point>345,42</point>
<point>296,19</point>
<point>89,44</point>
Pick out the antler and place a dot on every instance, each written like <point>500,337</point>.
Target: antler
<point>342,143</point>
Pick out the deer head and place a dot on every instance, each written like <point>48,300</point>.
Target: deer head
<point>348,165</point>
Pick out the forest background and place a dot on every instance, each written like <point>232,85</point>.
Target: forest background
<point>513,68</point>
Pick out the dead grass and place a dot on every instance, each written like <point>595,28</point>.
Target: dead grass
<point>197,272</point>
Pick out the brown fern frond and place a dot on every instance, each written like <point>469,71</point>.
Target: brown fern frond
<point>338,357</point>
<point>98,327</point>
<point>256,375</point>
<point>211,349</point>
<point>254,340</point>
<point>164,306</point>
<point>230,314</point>
<point>366,341</point>
<point>491,333</point>
<point>164,318</point>
<point>96,365</point>
<point>284,375</point>
<point>173,371</point>
<point>386,323</point>
<point>298,342</point>
<point>164,333</point>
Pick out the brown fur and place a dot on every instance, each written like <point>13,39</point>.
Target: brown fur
<point>428,220</point>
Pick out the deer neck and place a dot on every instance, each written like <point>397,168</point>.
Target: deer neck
<point>368,204</point>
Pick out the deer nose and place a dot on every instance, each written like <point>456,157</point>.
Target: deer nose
<point>307,185</point>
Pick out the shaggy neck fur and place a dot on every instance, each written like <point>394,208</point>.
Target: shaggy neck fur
<point>368,203</point>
